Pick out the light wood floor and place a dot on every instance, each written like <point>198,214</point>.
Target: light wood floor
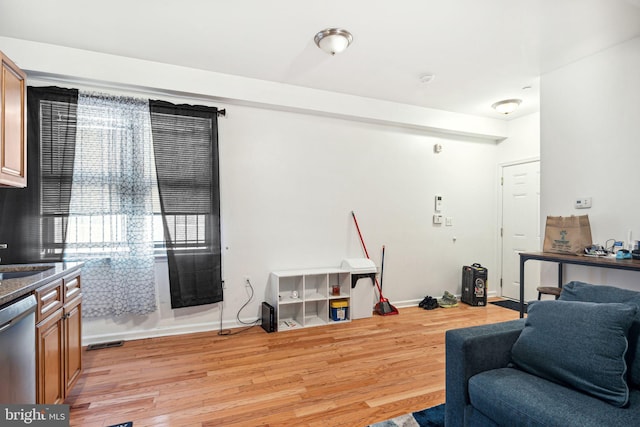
<point>349,374</point>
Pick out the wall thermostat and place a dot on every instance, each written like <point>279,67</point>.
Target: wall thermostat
<point>438,203</point>
<point>583,203</point>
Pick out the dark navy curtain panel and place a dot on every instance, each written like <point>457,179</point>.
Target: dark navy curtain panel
<point>33,219</point>
<point>185,143</point>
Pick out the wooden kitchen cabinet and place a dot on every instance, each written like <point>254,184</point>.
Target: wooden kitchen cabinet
<point>49,365</point>
<point>13,140</point>
<point>59,338</point>
<point>72,343</point>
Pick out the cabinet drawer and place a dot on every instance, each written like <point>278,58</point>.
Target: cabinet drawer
<point>49,298</point>
<point>71,286</point>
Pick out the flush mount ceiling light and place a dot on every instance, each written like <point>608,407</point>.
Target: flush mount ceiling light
<point>426,78</point>
<point>333,40</point>
<point>507,106</point>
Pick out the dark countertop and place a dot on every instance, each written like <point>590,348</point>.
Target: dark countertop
<point>12,289</point>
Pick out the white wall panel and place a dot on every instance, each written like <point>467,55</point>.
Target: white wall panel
<point>590,134</point>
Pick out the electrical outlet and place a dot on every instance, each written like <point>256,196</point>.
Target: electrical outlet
<point>437,219</point>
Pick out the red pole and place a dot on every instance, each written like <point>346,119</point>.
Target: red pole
<point>364,247</point>
<point>353,214</point>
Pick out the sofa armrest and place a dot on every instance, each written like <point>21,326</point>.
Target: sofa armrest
<point>470,351</point>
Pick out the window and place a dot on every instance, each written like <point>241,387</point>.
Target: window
<point>100,226</point>
<point>187,230</point>
<point>183,152</point>
<point>96,201</point>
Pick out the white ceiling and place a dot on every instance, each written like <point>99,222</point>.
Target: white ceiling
<point>480,51</point>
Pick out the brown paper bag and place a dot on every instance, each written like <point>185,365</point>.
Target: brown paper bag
<point>567,234</point>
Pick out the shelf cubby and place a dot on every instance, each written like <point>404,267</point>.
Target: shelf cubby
<point>316,313</point>
<point>290,290</point>
<point>315,287</point>
<point>290,316</point>
<point>343,281</point>
<point>301,298</point>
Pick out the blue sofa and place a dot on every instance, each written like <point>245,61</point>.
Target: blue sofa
<point>570,362</point>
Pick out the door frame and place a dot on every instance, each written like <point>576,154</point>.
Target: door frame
<point>500,240</point>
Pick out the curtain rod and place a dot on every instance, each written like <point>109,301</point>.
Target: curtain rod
<point>49,78</point>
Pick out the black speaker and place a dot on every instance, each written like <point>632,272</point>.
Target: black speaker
<point>268,318</point>
<point>474,285</point>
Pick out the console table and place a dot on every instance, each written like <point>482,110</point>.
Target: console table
<point>562,259</point>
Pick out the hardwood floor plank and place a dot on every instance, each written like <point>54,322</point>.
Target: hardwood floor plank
<point>349,374</point>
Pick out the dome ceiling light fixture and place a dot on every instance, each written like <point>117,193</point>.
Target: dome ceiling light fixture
<point>333,40</point>
<point>507,106</point>
<point>426,78</point>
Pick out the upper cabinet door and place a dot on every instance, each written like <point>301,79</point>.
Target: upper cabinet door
<point>13,141</point>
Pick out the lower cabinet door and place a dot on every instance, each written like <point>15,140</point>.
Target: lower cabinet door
<point>49,368</point>
<point>73,342</point>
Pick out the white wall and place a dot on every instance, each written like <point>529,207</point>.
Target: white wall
<point>590,147</point>
<point>288,185</point>
<point>291,175</point>
<point>523,142</point>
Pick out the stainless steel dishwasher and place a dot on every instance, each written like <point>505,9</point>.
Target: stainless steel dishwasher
<point>18,351</point>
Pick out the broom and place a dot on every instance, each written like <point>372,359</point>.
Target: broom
<point>383,307</point>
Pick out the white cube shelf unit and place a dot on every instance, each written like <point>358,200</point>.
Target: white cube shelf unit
<point>302,298</point>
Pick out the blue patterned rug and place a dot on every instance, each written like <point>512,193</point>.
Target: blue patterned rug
<point>430,417</point>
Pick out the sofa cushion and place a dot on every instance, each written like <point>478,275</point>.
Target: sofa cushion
<point>580,291</point>
<point>515,398</point>
<point>580,344</point>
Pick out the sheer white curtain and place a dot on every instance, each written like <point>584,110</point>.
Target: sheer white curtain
<point>111,209</point>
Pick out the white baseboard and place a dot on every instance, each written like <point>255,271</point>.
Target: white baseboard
<point>160,332</point>
<point>415,302</point>
<point>199,327</point>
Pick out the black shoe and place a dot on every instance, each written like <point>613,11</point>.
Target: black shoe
<point>424,302</point>
<point>431,304</point>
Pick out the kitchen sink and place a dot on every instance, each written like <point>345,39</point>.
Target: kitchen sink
<point>18,274</point>
<point>18,271</point>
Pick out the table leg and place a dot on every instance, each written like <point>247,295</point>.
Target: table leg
<point>522,261</point>
<point>560,271</point>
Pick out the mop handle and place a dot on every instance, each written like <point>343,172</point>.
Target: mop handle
<point>382,267</point>
<point>353,214</point>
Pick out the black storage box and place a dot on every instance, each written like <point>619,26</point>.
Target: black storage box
<point>474,285</point>
<point>268,317</point>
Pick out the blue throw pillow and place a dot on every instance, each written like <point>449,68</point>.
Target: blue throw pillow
<point>580,291</point>
<point>579,344</point>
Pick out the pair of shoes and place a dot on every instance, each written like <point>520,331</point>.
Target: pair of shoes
<point>448,300</point>
<point>428,303</point>
<point>424,301</point>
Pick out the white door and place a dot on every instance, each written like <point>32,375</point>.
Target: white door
<point>520,227</point>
